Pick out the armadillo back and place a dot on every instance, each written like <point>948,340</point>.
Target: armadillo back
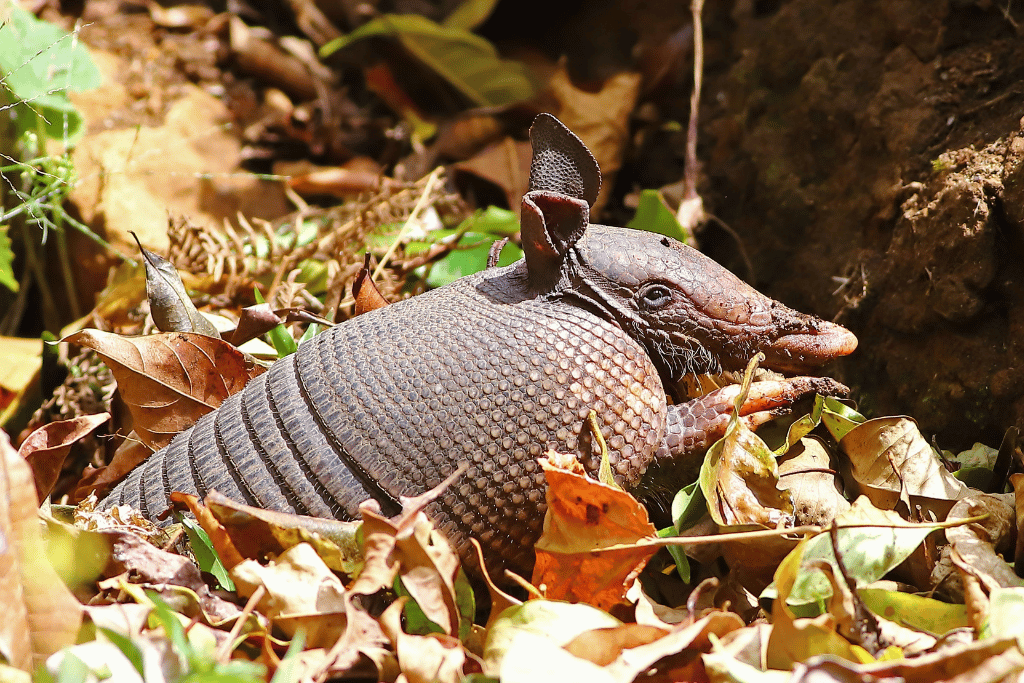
<point>390,403</point>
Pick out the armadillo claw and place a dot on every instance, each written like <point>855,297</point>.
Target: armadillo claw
<point>693,426</point>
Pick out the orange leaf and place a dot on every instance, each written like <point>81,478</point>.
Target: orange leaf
<point>583,516</point>
<point>46,448</point>
<point>170,380</point>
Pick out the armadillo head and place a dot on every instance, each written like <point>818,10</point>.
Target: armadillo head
<point>691,314</point>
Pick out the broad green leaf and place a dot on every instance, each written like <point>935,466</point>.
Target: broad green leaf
<point>868,552</point>
<point>653,216</point>
<point>464,261</point>
<point>916,611</point>
<point>839,418</point>
<point>7,261</point>
<point>493,220</point>
<point>468,62</point>
<point>205,554</point>
<point>470,14</point>
<point>40,63</point>
<point>128,648</point>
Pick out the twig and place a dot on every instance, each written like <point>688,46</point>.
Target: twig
<point>807,529</point>
<point>691,208</point>
<point>420,205</point>
<point>224,649</point>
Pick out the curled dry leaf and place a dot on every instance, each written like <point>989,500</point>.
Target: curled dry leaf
<point>169,303</point>
<point>40,615</point>
<point>436,657</point>
<point>585,516</point>
<point>240,531</point>
<point>98,480</point>
<point>46,448</point>
<point>740,480</point>
<point>169,381</point>
<point>891,461</point>
<point>364,289</point>
<point>300,592</point>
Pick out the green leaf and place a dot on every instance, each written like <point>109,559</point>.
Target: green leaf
<point>280,337</point>
<point>653,216</point>
<point>493,221</point>
<point>470,14</point>
<point>205,554</point>
<point>128,648</point>
<point>918,612</point>
<point>7,261</point>
<point>72,670</point>
<point>840,419</point>
<point>468,62</point>
<point>416,621</point>
<point>288,671</point>
<point>40,63</point>
<point>868,552</point>
<point>464,261</point>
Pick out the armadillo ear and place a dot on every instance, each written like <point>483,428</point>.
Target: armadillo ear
<point>561,162</point>
<point>564,182</point>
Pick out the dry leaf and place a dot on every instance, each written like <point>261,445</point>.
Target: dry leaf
<point>434,658</point>
<point>507,165</point>
<point>891,460</point>
<point>240,531</point>
<point>40,614</point>
<point>170,380</point>
<point>809,474</point>
<point>364,290</point>
<point>98,480</point>
<point>158,568</point>
<point>601,119</point>
<point>46,448</point>
<point>583,516</point>
<point>428,565</point>
<point>169,303</point>
<point>300,592</point>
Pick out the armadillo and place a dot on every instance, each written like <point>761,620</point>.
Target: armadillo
<point>494,370</point>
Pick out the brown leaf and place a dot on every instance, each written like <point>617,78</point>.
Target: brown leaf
<point>300,591</point>
<point>240,531</point>
<point>428,565</point>
<point>149,565</point>
<point>808,473</point>
<point>46,448</point>
<point>169,303</point>
<point>364,289</point>
<point>583,516</point>
<point>506,164</point>
<point>424,659</point>
<point>170,380</point>
<point>98,480</point>
<point>40,615</point>
<point>890,459</point>
<point>601,119</point>
<point>337,181</point>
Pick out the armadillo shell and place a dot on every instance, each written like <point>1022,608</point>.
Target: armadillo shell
<point>390,403</point>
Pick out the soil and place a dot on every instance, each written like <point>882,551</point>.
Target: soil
<point>867,156</point>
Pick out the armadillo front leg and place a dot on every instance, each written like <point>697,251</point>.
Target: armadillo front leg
<point>693,426</point>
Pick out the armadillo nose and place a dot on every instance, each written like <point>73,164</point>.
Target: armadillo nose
<point>805,350</point>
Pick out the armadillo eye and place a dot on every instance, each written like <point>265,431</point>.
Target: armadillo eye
<point>655,296</point>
